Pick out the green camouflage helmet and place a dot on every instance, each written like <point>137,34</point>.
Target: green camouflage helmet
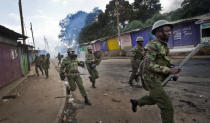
<point>70,50</point>
<point>139,39</point>
<point>159,24</point>
<point>48,55</point>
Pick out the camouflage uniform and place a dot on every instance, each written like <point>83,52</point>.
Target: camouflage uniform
<point>138,53</point>
<point>46,64</point>
<point>59,58</point>
<point>156,69</point>
<point>91,66</point>
<point>70,67</point>
<point>38,65</point>
<point>42,60</point>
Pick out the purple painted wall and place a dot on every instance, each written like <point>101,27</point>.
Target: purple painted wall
<point>144,33</point>
<point>186,34</point>
<point>183,34</point>
<point>196,33</point>
<point>10,68</point>
<point>170,41</point>
<point>104,46</point>
<point>97,45</point>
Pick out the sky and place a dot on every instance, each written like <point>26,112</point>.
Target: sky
<point>46,14</point>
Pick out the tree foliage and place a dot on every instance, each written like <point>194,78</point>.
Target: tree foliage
<point>155,18</point>
<point>191,8</point>
<point>144,9</point>
<point>139,14</point>
<point>195,7</point>
<point>124,8</point>
<point>133,25</point>
<point>95,31</point>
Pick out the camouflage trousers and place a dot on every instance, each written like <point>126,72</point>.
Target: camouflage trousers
<point>40,68</point>
<point>74,81</point>
<point>59,62</point>
<point>158,96</point>
<point>93,73</point>
<point>46,72</point>
<point>135,66</point>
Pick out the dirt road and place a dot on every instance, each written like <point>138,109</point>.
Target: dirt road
<point>36,100</point>
<point>190,95</point>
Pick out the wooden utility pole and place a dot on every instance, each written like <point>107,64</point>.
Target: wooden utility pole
<point>118,23</point>
<point>21,19</point>
<point>32,34</point>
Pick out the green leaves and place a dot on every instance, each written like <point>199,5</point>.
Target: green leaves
<point>133,25</point>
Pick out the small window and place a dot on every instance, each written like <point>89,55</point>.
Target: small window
<point>206,32</point>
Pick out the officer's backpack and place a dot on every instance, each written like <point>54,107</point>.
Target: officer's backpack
<point>98,56</point>
<point>141,71</point>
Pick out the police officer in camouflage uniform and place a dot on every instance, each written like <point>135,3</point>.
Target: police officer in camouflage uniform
<point>91,66</point>
<point>38,64</point>
<point>138,54</point>
<point>46,64</point>
<point>59,57</point>
<point>69,69</point>
<point>42,60</point>
<point>156,67</point>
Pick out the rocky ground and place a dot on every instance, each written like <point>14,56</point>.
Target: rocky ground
<point>110,100</point>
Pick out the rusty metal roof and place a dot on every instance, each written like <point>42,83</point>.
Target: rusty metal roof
<point>4,31</point>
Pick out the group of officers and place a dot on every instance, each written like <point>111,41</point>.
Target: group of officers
<point>42,63</point>
<point>69,70</point>
<point>152,64</point>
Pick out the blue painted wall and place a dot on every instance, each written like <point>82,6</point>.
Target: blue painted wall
<point>104,46</point>
<point>186,34</point>
<point>144,33</point>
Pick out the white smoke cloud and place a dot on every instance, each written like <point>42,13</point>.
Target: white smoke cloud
<point>171,5</point>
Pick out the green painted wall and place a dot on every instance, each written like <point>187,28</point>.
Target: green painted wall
<point>24,63</point>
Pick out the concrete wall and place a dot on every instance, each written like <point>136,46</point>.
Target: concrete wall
<point>112,53</point>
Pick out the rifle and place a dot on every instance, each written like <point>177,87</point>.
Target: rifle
<point>187,58</point>
<point>74,74</point>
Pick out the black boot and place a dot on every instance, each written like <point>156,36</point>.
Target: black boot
<point>90,78</point>
<point>68,90</point>
<point>130,82</point>
<point>93,85</point>
<point>87,102</point>
<point>134,104</point>
<point>137,78</point>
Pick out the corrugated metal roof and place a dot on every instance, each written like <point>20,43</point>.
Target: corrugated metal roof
<point>10,33</point>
